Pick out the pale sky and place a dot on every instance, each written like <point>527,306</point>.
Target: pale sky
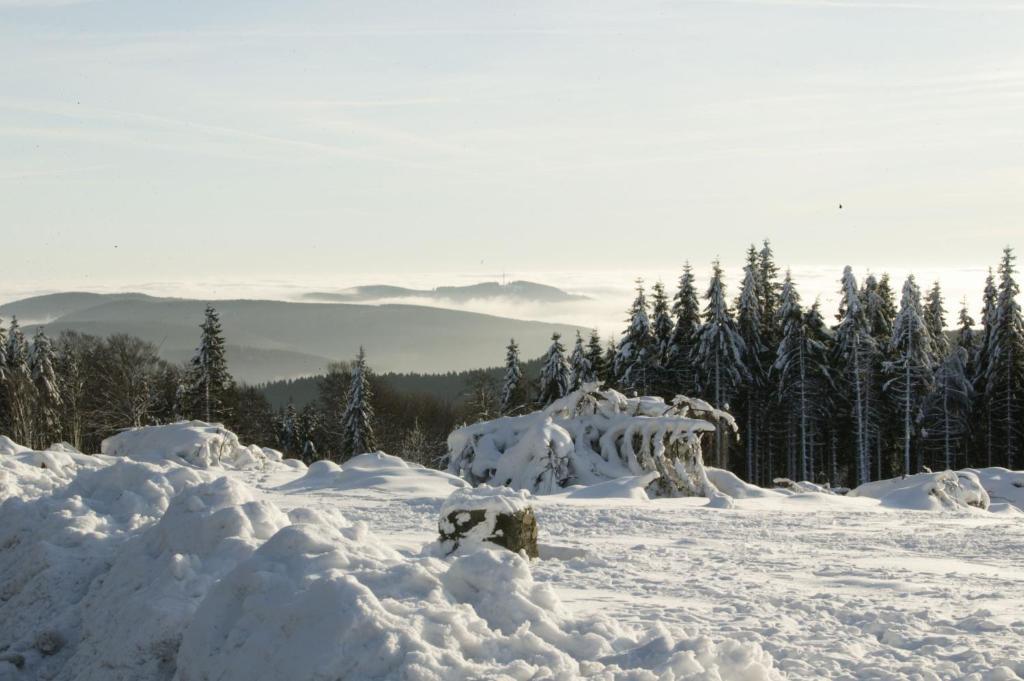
<point>333,142</point>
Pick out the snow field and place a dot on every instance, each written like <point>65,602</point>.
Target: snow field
<point>147,570</point>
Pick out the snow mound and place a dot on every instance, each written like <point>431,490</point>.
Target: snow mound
<point>327,601</point>
<point>195,443</point>
<point>377,471</point>
<point>57,547</point>
<point>730,484</point>
<point>9,446</point>
<point>946,490</point>
<point>633,487</point>
<point>28,474</point>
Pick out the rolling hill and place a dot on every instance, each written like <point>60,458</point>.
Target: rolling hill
<point>271,340</point>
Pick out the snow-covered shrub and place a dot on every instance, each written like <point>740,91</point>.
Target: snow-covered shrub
<point>591,436</point>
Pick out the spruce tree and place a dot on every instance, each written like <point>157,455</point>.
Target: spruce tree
<point>802,371</point>
<point>610,353</point>
<point>289,437</point>
<point>511,393</point>
<point>855,350</point>
<point>555,374</point>
<point>935,320</point>
<point>1005,372</point>
<point>635,361</point>
<point>751,397</point>
<point>682,374</point>
<point>4,409</point>
<point>47,391</point>
<point>20,389</point>
<point>769,291</point>
<point>911,366</point>
<point>965,332</point>
<point>595,356</point>
<point>982,362</point>
<point>878,308</point>
<point>210,382</point>
<point>357,421</point>
<point>582,371</point>
<point>947,413</point>
<point>719,354</point>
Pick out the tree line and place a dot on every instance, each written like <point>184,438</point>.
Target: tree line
<point>885,390</point>
<point>80,389</point>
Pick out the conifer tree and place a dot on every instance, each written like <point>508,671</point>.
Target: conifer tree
<point>555,374</point>
<point>769,291</point>
<point>983,361</point>
<point>635,360</point>
<point>855,350</point>
<point>965,339</point>
<point>20,389</point>
<point>878,308</point>
<point>804,381</point>
<point>911,366</point>
<point>751,396</point>
<point>947,412</point>
<point>209,381</point>
<point>47,390</point>
<point>357,421</point>
<point>610,353</point>
<point>965,334</point>
<point>718,355</point>
<point>686,310</point>
<point>289,431</point>
<point>595,356</point>
<point>4,409</point>
<point>582,371</point>
<point>935,320</point>
<point>511,392</point>
<point>1004,382</point>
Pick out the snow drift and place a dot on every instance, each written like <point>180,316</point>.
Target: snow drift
<point>591,436</point>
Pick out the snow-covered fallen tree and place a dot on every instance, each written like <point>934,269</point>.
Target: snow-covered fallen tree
<point>592,436</point>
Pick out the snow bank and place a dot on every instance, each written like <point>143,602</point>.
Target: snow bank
<point>378,471</point>
<point>590,436</point>
<point>946,490</point>
<point>195,443</point>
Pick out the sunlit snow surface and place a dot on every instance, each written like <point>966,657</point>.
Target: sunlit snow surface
<point>114,568</point>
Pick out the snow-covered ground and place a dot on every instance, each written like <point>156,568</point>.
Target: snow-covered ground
<point>172,557</point>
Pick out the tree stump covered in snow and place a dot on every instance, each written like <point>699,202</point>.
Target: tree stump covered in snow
<point>496,515</point>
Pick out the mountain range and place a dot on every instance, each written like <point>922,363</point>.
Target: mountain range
<point>271,340</point>
<point>515,291</point>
